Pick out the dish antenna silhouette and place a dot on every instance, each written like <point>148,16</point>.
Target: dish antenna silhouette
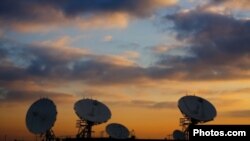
<point>41,117</point>
<point>178,135</point>
<point>91,112</point>
<point>117,131</point>
<point>197,108</point>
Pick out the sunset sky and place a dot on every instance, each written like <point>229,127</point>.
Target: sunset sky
<point>139,57</point>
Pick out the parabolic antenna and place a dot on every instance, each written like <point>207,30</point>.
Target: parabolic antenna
<point>41,116</point>
<point>92,110</point>
<point>117,131</point>
<point>178,135</point>
<point>197,108</point>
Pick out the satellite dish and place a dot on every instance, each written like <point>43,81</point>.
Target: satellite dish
<point>41,116</point>
<point>117,131</point>
<point>178,135</point>
<point>92,110</point>
<point>197,108</point>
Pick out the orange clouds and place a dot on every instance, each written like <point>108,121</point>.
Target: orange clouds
<point>33,16</point>
<point>106,21</point>
<point>227,7</point>
<point>114,20</point>
<point>238,4</point>
<point>131,54</point>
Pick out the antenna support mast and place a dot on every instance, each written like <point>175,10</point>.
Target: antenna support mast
<point>84,128</point>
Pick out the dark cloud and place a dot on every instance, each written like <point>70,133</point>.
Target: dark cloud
<point>3,93</point>
<point>232,4</point>
<point>26,61</point>
<point>94,71</point>
<point>32,11</point>
<point>212,56</point>
<point>217,47</point>
<point>240,113</point>
<point>35,62</point>
<point>9,97</point>
<point>138,7</point>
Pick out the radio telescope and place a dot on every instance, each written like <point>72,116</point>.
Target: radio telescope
<point>117,131</point>
<point>91,112</point>
<point>41,117</point>
<point>195,110</point>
